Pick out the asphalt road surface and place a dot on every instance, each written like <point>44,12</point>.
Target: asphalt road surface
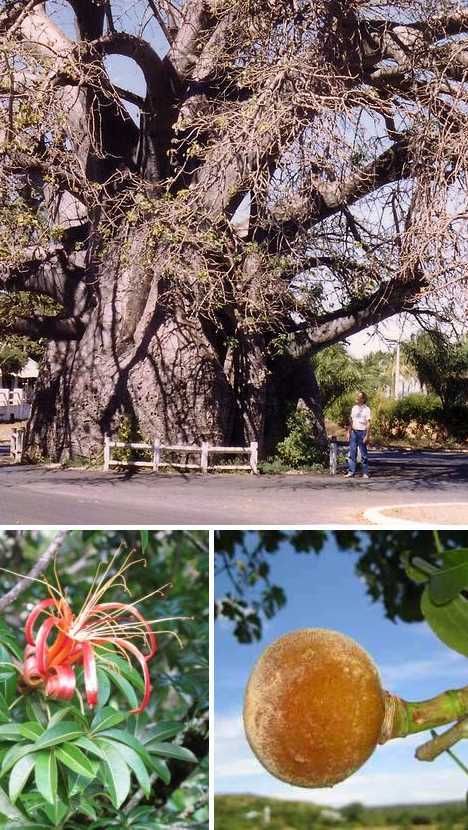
<point>35,495</point>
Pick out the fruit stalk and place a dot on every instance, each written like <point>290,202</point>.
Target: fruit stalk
<point>404,718</point>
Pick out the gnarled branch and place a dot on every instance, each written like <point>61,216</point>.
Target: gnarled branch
<point>41,565</point>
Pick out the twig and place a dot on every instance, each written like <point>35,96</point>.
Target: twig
<point>442,743</point>
<point>36,571</point>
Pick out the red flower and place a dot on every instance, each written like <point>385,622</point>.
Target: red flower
<point>65,640</point>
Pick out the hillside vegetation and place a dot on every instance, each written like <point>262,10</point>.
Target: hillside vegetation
<point>236,812</point>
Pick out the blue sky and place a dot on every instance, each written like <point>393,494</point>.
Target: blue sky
<point>324,592</point>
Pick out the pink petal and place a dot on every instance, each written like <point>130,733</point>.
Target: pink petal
<point>61,683</point>
<point>41,644</point>
<point>35,613</point>
<point>90,675</point>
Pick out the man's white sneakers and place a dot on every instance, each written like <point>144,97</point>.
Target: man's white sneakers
<point>365,475</point>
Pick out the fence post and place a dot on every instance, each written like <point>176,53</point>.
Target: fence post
<point>156,454</point>
<point>333,455</point>
<point>254,457</point>
<point>204,456</point>
<point>20,445</point>
<point>107,453</point>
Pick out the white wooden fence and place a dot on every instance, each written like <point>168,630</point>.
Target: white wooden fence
<point>159,456</point>
<point>14,405</point>
<point>16,444</point>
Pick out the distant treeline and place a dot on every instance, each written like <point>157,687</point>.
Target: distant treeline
<point>248,812</point>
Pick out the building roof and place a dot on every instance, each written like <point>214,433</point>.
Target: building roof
<point>30,370</point>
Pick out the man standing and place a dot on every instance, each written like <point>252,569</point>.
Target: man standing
<point>358,435</point>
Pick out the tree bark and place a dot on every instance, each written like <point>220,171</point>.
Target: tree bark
<point>144,360</point>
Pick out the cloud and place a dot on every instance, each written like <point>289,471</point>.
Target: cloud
<point>424,786</point>
<point>441,664</point>
<point>391,776</point>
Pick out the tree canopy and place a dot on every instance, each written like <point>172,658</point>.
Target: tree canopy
<point>440,364</point>
<point>245,558</point>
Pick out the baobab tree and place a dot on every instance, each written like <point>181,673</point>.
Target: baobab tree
<point>296,173</point>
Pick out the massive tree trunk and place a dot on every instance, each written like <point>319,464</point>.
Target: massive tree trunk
<point>158,368</point>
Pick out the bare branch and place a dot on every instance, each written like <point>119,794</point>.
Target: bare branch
<point>52,328</point>
<point>326,198</point>
<point>41,565</point>
<point>49,272</point>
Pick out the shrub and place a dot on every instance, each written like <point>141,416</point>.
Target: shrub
<point>340,409</point>
<point>299,447</point>
<point>421,417</point>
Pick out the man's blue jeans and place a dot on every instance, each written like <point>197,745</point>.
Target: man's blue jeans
<point>357,440</point>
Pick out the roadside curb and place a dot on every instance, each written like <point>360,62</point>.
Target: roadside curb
<point>378,515</point>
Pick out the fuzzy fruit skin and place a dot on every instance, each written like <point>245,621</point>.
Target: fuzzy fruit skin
<point>314,708</point>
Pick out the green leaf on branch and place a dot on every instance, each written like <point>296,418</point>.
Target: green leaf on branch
<point>455,557</point>
<point>449,622</point>
<point>76,760</point>
<point>35,712</point>
<point>115,775</point>
<point>144,538</point>
<point>10,732</point>
<point>15,754</point>
<point>134,761</point>
<point>179,753</point>
<point>104,687</point>
<point>107,718</point>
<point>448,583</point>
<point>31,730</point>
<point>8,809</point>
<point>65,731</point>
<point>8,641</point>
<point>56,812</point>
<point>109,662</point>
<point>19,776</point>
<point>46,775</point>
<point>162,731</point>
<point>90,746</point>
<point>5,715</point>
<point>160,768</point>
<point>125,687</point>
<point>87,808</point>
<point>125,738</point>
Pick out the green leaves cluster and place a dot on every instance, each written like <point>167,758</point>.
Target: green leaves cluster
<point>444,604</point>
<point>60,763</point>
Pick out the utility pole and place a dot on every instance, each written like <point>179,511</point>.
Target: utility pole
<point>397,371</point>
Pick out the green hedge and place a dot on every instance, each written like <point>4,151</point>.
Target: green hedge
<point>420,417</point>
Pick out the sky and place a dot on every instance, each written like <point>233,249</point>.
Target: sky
<point>324,592</point>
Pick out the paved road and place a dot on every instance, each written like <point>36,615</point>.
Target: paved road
<point>34,495</point>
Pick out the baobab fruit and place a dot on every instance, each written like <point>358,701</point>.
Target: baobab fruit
<point>314,708</point>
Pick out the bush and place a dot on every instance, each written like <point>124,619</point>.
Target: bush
<point>299,448</point>
<point>420,417</point>
<point>340,410</point>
